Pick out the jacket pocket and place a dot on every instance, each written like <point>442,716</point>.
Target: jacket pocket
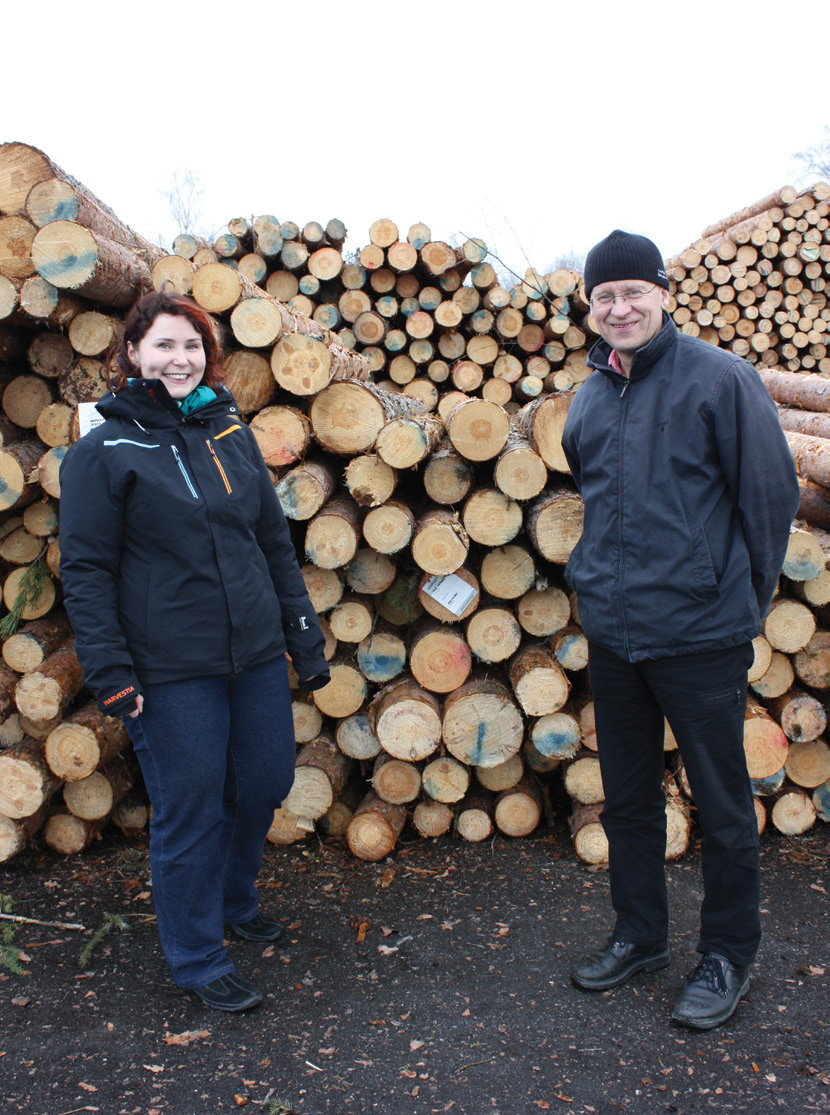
<point>704,582</point>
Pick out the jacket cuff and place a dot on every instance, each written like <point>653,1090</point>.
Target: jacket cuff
<point>121,701</point>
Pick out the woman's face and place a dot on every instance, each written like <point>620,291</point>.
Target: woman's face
<point>171,350</point>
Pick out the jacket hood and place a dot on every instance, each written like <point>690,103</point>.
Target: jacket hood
<point>645,358</point>
<point>148,401</point>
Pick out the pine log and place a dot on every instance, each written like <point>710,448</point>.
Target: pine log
<point>333,534</point>
<point>812,664</point>
<point>307,718</point>
<point>808,763</point>
<point>482,724</point>
<point>493,634</point>
<point>801,716</point>
<point>762,660</point>
<point>590,841</point>
<point>67,834</point>
<point>777,678</point>
<point>406,441</point>
<point>356,737</point>
<point>176,271</point>
<point>337,819</point>
<point>432,818</point>
<point>476,817</point>
<point>132,816</point>
<point>478,429</point>
<point>374,829</point>
<point>793,813</point>
<point>543,612</point>
<point>518,810</point>
<point>406,720</point>
<point>395,780</point>
<point>491,517</point>
<point>556,735</point>
<point>538,682</point>
<point>24,398</point>
<point>94,797</point>
<point>44,693</point>
<point>370,572</point>
<point>72,257</point>
<point>324,587</point>
<point>520,472</point>
<point>765,744</point>
<point>554,522</point>
<point>34,641</point>
<point>15,834</point>
<point>583,780</point>
<point>507,572</point>
<point>805,558</point>
<point>321,772</point>
<point>447,477</point>
<point>344,694</point>
<point>440,544</point>
<point>390,527</point>
<point>370,480</point>
<point>18,547</point>
<point>446,779</point>
<point>26,782</point>
<point>352,620</point>
<point>439,658</point>
<point>305,489</point>
<point>41,519</point>
<point>282,434</point>
<point>381,656</point>
<point>83,742</point>
<point>84,382</point>
<point>570,649</point>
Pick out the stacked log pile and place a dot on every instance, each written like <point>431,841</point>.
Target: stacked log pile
<point>410,409</point>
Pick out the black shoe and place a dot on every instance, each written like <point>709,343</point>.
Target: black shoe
<point>230,992</point>
<point>617,963</point>
<point>713,992</point>
<point>258,929</point>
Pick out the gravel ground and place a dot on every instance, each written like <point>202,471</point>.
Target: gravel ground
<point>436,981</point>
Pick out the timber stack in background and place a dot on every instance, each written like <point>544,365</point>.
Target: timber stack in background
<point>410,408</point>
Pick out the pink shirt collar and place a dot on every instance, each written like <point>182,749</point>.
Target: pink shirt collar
<point>614,362</point>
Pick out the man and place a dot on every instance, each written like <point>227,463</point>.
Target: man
<point>689,492</point>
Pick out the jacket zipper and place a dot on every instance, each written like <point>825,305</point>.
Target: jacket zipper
<point>620,514</point>
<point>188,481</point>
<point>219,466</point>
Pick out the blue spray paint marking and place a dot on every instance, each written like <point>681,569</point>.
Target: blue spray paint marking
<point>53,270</point>
<point>803,570</point>
<point>380,667</point>
<point>478,753</point>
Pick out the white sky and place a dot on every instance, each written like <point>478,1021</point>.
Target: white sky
<point>536,126</point>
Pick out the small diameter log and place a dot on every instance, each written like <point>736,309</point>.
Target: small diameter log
<point>390,527</point>
<point>432,818</point>
<point>381,656</point>
<point>395,780</point>
<point>370,572</point>
<point>518,810</point>
<point>67,834</point>
<point>374,829</point>
<point>175,270</point>
<point>493,634</point>
<point>344,694</point>
<point>482,724</point>
<point>75,258</point>
<point>301,365</point>
<point>777,679</point>
<point>336,820</point>
<point>84,382</point>
<point>583,780</point>
<point>503,775</point>
<point>478,429</point>
<point>16,238</point>
<point>34,641</point>
<point>41,518</point>
<point>282,434</point>
<point>801,716</point>
<point>94,797</point>
<point>324,587</point>
<point>308,720</point>
<point>304,490</point>
<point>8,681</point>
<point>542,422</point>
<point>761,787</point>
<point>18,547</point>
<point>808,763</point>
<point>543,612</point>
<point>439,658</point>
<point>83,742</point>
<point>570,649</point>
<point>812,664</point>
<point>54,424</point>
<point>17,463</point>
<point>44,693</point>
<point>351,620</point>
<point>765,744</point>
<point>356,737</point>
<point>794,813</point>
<point>447,477</point>
<point>333,535</point>
<point>92,333</point>
<point>406,441</point>
<point>370,480</point>
<point>805,559</point>
<point>554,522</point>
<point>762,660</point>
<point>247,375</point>
<point>38,729</point>
<point>590,841</point>
<point>507,572</point>
<point>14,835</point>
<point>490,517</point>
<point>789,626</point>
<point>26,782</point>
<point>557,735</point>
<point>132,816</point>
<point>440,544</point>
<point>286,828</point>
<point>446,779</point>
<point>348,416</point>
<point>406,720</point>
<point>540,684</point>
<point>50,354</point>
<point>811,456</point>
<point>476,817</point>
<point>519,471</point>
<point>321,772</point>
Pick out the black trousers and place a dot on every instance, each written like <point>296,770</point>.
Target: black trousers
<point>704,698</point>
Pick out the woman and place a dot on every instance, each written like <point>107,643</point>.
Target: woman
<point>184,593</point>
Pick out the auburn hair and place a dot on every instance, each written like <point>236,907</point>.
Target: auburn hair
<point>138,322</point>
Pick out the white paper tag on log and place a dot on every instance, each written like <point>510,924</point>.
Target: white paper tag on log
<point>88,417</point>
<point>451,592</point>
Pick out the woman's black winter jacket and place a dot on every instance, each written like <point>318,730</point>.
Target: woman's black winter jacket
<point>176,559</point>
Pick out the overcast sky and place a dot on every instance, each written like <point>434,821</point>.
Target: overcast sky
<point>536,126</point>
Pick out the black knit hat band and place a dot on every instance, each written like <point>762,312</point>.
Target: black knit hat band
<point>622,256</point>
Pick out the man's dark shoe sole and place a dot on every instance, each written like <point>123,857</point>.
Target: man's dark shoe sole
<point>229,993</point>
<point>650,963</point>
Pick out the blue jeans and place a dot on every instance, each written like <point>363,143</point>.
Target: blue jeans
<point>704,698</point>
<point>217,754</point>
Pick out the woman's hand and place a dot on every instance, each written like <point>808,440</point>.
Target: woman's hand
<point>139,705</point>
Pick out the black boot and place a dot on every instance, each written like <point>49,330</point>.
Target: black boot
<point>617,963</point>
<point>713,992</point>
<point>231,992</point>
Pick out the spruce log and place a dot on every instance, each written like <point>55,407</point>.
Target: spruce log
<point>447,477</point>
<point>482,724</point>
<point>16,238</point>
<point>26,782</point>
<point>305,489</point>
<point>476,817</point>
<point>518,810</point>
<point>370,480</point>
<point>36,605</point>
<point>503,775</point>
<point>132,816</point>
<point>507,572</point>
<point>804,421</point>
<point>765,744</point>
<point>808,763</point>
<point>440,544</point>
<point>282,434</point>
<point>44,693</point>
<point>432,818</point>
<point>67,834</point>
<point>538,681</point>
<point>590,841</point>
<point>812,664</point>
<point>352,620</point>
<point>83,742</point>
<point>34,641</point>
<point>389,528</point>
<point>478,429</point>
<point>72,257</point>
<point>439,658</point>
<point>493,634</point>
<point>428,585</point>
<point>777,678</point>
<point>542,422</point>
<point>247,375</point>
<point>94,797</point>
<point>374,829</point>
<point>554,522</point>
<point>491,517</point>
<point>805,558</point>
<point>543,612</point>
<point>333,535</point>
<point>14,834</point>
<point>520,472</point>
<point>793,813</point>
<point>556,735</point>
<point>370,572</point>
<point>307,718</point>
<point>356,737</point>
<point>24,398</point>
<point>801,716</point>
<point>446,779</point>
<point>344,694</point>
<point>406,720</point>
<point>382,655</point>
<point>811,456</point>
<point>406,441</point>
<point>583,780</point>
<point>321,773</point>
<point>348,416</point>
<point>395,780</point>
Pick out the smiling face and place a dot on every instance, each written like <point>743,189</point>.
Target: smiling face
<point>627,326</point>
<point>171,350</point>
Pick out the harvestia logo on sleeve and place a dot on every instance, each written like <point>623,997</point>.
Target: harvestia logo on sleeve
<point>88,417</point>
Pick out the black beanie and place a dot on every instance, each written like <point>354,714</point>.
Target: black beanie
<point>624,255</point>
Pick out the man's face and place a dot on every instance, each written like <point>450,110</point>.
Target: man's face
<point>630,324</point>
